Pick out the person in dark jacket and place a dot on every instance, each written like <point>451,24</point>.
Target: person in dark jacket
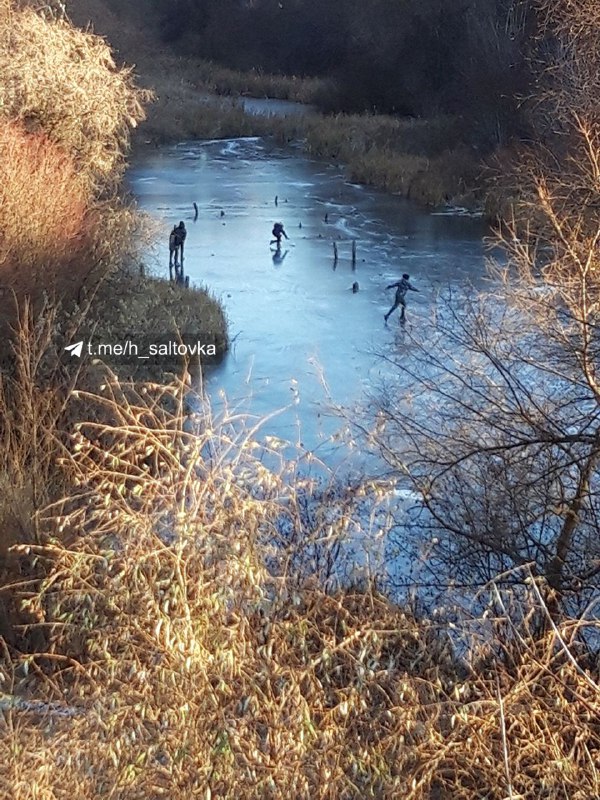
<point>176,241</point>
<point>278,232</point>
<point>402,287</point>
<point>173,246</point>
<point>181,234</point>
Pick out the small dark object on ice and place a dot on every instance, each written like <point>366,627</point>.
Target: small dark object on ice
<point>195,211</point>
<point>355,287</point>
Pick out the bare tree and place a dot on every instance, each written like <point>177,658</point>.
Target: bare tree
<point>495,415</point>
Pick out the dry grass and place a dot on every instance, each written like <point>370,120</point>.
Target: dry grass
<point>63,82</point>
<point>206,76</point>
<point>39,224</point>
<point>146,309</point>
<point>158,657</point>
<point>65,116</point>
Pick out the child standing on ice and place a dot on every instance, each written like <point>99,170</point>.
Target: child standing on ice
<point>402,287</point>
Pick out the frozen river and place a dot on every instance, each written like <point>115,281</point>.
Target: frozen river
<point>301,339</point>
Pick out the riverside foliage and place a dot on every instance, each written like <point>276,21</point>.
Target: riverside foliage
<point>146,651</point>
<point>157,656</point>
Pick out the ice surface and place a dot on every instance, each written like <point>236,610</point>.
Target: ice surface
<point>293,317</point>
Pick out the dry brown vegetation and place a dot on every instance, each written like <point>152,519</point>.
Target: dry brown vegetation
<point>69,246</point>
<point>159,657</point>
<point>64,82</point>
<point>66,114</point>
<point>38,224</point>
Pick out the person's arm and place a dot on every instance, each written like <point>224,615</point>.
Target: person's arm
<point>284,233</point>
<point>412,288</point>
<point>393,285</point>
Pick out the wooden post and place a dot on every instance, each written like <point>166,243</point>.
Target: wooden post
<point>335,253</point>
<point>195,212</point>
<point>353,253</point>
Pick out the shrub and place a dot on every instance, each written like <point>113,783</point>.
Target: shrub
<point>43,199</point>
<point>170,663</point>
<point>63,82</point>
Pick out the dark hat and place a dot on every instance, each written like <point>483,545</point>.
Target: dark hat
<point>406,275</point>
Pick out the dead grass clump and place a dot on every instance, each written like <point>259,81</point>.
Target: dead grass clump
<point>148,311</point>
<point>65,116</point>
<point>224,81</point>
<point>179,113</point>
<point>63,82</point>
<point>419,159</point>
<point>42,200</point>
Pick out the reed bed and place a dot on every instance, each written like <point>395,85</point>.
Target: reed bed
<point>37,223</point>
<point>210,77</point>
<point>423,160</point>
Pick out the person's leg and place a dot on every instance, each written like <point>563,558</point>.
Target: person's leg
<point>391,311</point>
<point>403,304</point>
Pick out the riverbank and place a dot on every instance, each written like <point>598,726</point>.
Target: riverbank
<point>156,656</point>
<point>422,160</point>
<point>426,160</point>
<point>70,250</point>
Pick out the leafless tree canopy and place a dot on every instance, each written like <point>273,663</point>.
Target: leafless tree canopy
<point>495,418</point>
